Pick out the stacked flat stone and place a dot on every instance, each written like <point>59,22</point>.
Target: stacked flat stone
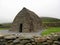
<point>53,39</point>
<point>13,39</point>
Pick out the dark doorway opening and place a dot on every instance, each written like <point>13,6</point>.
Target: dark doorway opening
<point>20,28</point>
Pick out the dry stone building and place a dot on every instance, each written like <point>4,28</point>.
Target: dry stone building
<point>26,21</point>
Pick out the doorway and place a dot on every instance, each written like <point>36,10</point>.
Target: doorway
<point>20,27</point>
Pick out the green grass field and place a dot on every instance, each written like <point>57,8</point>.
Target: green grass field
<point>4,28</point>
<point>51,30</point>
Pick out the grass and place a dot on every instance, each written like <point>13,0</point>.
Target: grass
<point>51,30</point>
<point>4,28</point>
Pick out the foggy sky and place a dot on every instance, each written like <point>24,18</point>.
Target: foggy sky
<point>45,8</point>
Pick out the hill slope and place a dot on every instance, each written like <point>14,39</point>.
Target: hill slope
<point>49,19</point>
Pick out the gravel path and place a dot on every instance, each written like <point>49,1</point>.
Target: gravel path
<point>5,32</point>
<point>29,35</point>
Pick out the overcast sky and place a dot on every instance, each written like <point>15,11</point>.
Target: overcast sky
<point>10,8</point>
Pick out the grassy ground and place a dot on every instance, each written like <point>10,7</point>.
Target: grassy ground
<point>4,28</point>
<point>51,30</point>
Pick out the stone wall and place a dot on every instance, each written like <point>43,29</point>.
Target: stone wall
<point>52,39</point>
<point>13,39</point>
<point>54,24</point>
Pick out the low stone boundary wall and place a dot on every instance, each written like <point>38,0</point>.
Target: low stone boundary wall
<point>53,24</point>
<point>52,39</point>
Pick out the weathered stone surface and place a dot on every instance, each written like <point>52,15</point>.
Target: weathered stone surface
<point>26,21</point>
<point>57,42</point>
<point>43,40</point>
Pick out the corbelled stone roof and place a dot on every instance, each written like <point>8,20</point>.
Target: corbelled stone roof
<point>28,13</point>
